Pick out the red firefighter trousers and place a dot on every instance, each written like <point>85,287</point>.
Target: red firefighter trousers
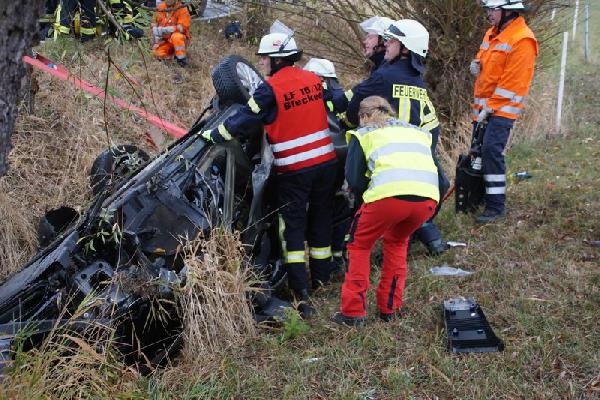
<point>394,220</point>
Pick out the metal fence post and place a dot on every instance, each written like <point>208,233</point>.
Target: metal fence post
<point>587,34</point>
<point>561,85</point>
<point>575,18</point>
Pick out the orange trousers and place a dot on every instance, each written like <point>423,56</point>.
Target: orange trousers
<point>175,44</point>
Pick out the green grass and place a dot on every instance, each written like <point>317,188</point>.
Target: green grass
<point>536,278</point>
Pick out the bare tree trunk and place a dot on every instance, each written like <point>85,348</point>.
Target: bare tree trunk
<point>18,32</point>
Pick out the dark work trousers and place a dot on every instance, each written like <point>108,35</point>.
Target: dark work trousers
<point>87,14</point>
<point>494,168</point>
<point>429,232</point>
<point>305,199</point>
<point>342,217</point>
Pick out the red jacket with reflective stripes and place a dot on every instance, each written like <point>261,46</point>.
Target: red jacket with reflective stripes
<point>507,65</point>
<point>299,135</point>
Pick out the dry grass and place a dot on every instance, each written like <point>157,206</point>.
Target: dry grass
<point>70,364</point>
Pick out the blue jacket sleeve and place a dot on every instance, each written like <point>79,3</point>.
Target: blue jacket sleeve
<point>260,109</point>
<point>372,86</point>
<point>356,168</point>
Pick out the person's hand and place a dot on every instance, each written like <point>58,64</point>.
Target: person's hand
<point>483,114</point>
<point>475,67</point>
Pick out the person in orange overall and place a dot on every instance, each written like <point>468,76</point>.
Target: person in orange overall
<point>504,68</point>
<point>171,31</point>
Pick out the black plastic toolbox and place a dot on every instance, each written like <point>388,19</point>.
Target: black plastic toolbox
<point>467,328</point>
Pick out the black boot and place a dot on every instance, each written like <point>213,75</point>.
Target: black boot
<point>182,62</point>
<point>436,247</point>
<point>305,309</point>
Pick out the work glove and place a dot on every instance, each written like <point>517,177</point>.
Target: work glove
<point>475,67</point>
<point>207,136</point>
<point>483,115</point>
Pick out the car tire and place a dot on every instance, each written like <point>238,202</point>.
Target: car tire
<point>235,80</point>
<point>115,162</point>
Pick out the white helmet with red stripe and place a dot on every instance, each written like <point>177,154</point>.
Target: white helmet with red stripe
<point>504,4</point>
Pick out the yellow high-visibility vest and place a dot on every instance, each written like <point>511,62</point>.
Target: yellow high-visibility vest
<point>399,161</point>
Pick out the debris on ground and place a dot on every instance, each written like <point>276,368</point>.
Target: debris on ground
<point>446,270</point>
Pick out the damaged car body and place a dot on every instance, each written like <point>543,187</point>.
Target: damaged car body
<point>130,237</point>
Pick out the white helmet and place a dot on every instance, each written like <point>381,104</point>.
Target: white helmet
<point>277,45</point>
<point>411,34</point>
<point>321,67</point>
<point>504,4</point>
<point>376,25</point>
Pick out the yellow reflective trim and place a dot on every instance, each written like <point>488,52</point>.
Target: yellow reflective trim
<point>224,132</point>
<point>253,105</point>
<point>295,257</point>
<point>320,253</point>
<point>330,105</point>
<point>338,253</point>
<point>87,31</point>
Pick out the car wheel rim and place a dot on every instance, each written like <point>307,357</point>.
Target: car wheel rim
<point>249,78</point>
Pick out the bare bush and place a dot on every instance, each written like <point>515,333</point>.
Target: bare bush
<point>330,29</point>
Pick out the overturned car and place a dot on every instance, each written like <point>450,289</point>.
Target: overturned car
<point>141,211</point>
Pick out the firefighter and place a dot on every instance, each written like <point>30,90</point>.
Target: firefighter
<point>334,97</point>
<point>374,45</point>
<point>400,81</point>
<point>87,18</point>
<point>504,68</point>
<point>124,14</point>
<point>171,31</point>
<point>48,19</point>
<point>391,166</point>
<point>290,105</point>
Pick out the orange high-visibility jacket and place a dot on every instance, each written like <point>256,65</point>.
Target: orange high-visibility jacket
<point>507,63</point>
<point>180,19</point>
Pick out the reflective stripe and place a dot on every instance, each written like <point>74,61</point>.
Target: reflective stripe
<point>494,178</point>
<point>503,47</point>
<point>320,253</point>
<point>349,94</point>
<point>404,109</point>
<point>495,190</point>
<point>346,237</point>
<point>403,175</point>
<point>480,102</point>
<point>431,125</point>
<point>224,132</point>
<point>179,48</point>
<point>330,106</point>
<point>180,57</point>
<point>509,95</point>
<point>253,106</point>
<point>88,31</point>
<point>168,29</point>
<point>338,254</point>
<point>294,257</point>
<point>282,237</point>
<point>180,28</point>
<point>511,110</point>
<point>397,148</point>
<point>306,155</point>
<point>485,45</point>
<point>64,29</point>
<point>301,141</point>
